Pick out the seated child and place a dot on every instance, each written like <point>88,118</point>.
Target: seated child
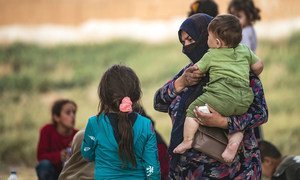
<point>55,139</point>
<point>227,91</point>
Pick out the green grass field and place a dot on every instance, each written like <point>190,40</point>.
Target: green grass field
<point>33,77</point>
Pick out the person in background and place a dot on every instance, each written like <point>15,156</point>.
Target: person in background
<point>76,167</point>
<point>55,139</point>
<point>162,147</point>
<point>248,14</point>
<point>120,141</point>
<point>278,167</point>
<point>209,7</point>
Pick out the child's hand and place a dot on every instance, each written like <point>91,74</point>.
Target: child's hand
<point>64,155</point>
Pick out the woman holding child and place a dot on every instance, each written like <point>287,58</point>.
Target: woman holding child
<point>175,97</point>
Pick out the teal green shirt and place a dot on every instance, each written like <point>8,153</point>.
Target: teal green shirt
<point>100,145</point>
<point>228,89</point>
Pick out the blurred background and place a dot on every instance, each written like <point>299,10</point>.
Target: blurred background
<point>60,48</point>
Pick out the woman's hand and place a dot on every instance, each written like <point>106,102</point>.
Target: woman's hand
<point>190,76</point>
<point>213,119</point>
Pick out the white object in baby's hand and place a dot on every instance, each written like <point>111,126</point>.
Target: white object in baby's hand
<point>203,109</point>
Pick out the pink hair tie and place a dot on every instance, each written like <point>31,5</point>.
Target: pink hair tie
<point>126,105</point>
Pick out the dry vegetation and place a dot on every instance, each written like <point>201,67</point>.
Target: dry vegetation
<point>32,83</point>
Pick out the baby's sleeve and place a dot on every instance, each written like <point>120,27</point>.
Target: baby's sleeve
<point>253,58</point>
<point>203,64</point>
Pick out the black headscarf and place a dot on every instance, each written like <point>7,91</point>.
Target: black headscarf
<point>196,27</point>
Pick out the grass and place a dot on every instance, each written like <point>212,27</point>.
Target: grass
<point>32,77</point>
<point>281,79</point>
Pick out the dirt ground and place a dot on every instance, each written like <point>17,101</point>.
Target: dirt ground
<point>23,173</point>
<point>74,12</point>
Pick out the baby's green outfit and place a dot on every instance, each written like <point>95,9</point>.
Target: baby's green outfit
<point>228,91</point>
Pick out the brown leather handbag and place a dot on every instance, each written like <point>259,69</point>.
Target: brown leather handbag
<point>211,141</point>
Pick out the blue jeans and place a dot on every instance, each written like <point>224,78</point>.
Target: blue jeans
<point>46,171</point>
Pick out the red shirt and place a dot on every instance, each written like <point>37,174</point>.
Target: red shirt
<point>51,143</point>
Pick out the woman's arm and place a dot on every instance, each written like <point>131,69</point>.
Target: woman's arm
<point>89,143</point>
<point>188,76</point>
<point>257,113</point>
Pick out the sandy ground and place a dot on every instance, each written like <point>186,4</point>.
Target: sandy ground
<point>23,173</point>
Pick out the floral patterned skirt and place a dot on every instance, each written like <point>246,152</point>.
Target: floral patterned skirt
<point>196,165</point>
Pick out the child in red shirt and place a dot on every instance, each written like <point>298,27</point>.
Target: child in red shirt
<point>55,139</point>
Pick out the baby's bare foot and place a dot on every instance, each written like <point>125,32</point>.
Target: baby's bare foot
<point>182,147</point>
<point>230,152</point>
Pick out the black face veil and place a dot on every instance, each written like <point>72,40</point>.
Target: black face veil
<point>196,27</point>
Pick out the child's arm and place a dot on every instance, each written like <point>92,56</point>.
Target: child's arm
<point>203,64</point>
<point>257,67</point>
